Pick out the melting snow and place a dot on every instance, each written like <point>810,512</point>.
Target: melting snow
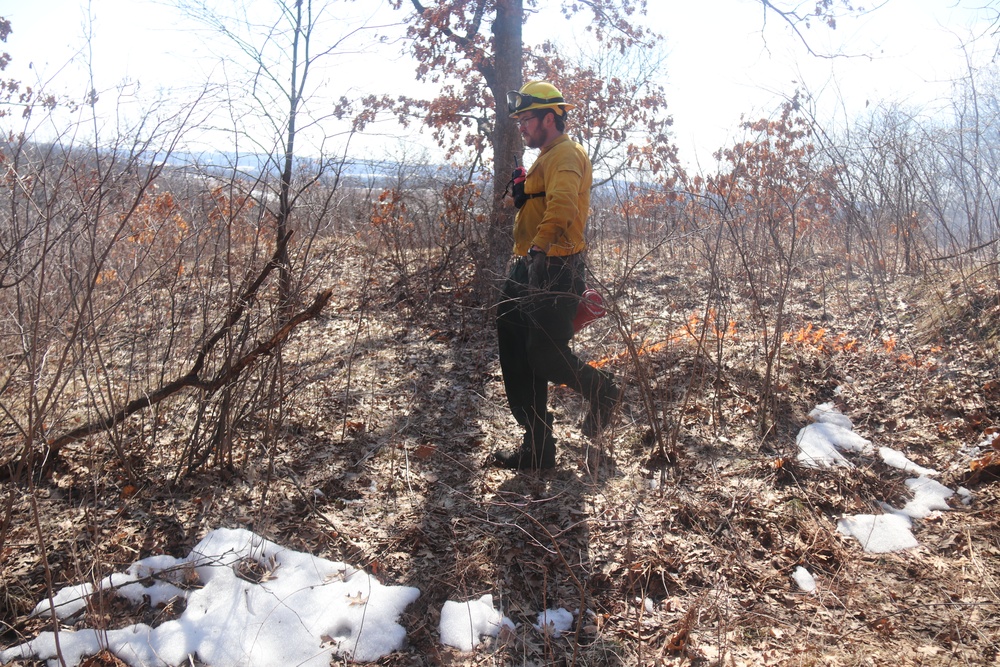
<point>303,611</point>
<point>804,579</point>
<point>463,624</point>
<point>827,413</point>
<point>295,608</point>
<point>554,622</point>
<point>879,533</point>
<point>928,495</point>
<point>250,602</point>
<point>823,443</point>
<point>898,460</point>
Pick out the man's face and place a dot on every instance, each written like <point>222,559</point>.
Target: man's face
<point>533,129</point>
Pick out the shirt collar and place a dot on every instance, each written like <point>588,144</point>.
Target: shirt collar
<point>555,142</point>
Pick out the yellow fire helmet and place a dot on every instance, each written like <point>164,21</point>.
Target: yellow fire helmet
<point>536,95</point>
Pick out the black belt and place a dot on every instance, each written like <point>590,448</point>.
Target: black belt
<point>573,263</point>
<point>559,259</point>
<point>564,259</point>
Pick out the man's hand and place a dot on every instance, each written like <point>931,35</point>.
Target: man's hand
<point>536,268</point>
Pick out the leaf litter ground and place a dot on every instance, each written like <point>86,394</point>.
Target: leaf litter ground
<point>688,560</point>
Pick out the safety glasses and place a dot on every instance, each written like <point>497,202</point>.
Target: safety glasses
<point>517,102</point>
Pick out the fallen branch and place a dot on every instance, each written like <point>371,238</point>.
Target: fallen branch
<point>192,380</point>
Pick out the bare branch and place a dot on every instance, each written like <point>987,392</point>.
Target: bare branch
<point>191,379</point>
<point>823,12</point>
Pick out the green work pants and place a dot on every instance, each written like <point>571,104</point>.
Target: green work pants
<point>534,328</point>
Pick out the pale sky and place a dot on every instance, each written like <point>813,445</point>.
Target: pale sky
<point>725,61</point>
<point>722,60</point>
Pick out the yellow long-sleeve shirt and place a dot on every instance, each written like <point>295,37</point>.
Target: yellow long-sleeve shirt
<point>556,222</point>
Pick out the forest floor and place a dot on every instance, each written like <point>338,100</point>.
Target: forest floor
<point>680,557</point>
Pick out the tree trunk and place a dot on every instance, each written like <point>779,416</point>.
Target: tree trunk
<point>285,296</point>
<point>507,149</point>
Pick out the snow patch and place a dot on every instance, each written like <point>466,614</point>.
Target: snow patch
<point>879,533</point>
<point>928,495</point>
<point>823,443</point>
<point>463,624</point>
<point>898,460</point>
<point>301,610</point>
<point>827,413</point>
<point>554,622</point>
<point>804,579</point>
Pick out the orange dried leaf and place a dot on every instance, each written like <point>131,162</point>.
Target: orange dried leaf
<point>986,460</point>
<point>425,451</point>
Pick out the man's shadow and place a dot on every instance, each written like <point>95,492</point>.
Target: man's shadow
<point>545,520</point>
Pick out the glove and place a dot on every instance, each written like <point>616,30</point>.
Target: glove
<point>536,269</point>
<point>517,180</point>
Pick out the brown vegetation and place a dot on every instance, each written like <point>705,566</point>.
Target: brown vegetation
<point>162,379</point>
<point>681,549</point>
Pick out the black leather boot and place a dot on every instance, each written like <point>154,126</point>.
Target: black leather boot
<point>537,451</point>
<point>601,408</point>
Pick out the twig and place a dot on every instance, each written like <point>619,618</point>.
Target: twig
<point>191,379</point>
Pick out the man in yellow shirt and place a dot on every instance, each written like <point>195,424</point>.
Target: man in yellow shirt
<point>542,292</point>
